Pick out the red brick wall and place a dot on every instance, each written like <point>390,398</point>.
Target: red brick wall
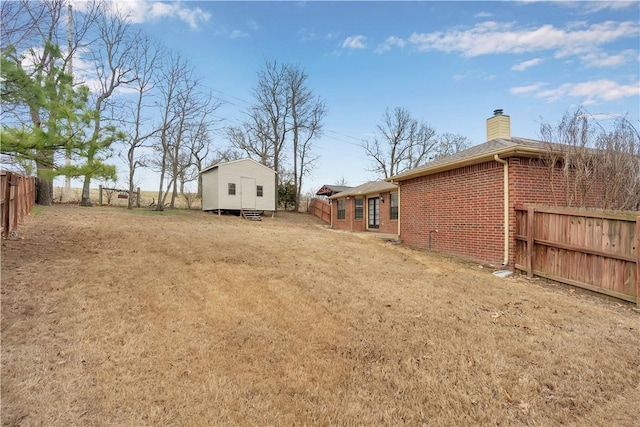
<point>532,183</point>
<point>387,225</point>
<point>466,206</point>
<point>349,223</point>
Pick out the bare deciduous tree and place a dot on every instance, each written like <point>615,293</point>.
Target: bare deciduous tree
<point>401,143</point>
<point>145,59</point>
<point>111,54</point>
<point>618,166</point>
<point>173,71</point>
<point>254,145</point>
<point>342,182</point>
<point>271,112</point>
<point>200,148</point>
<point>449,143</point>
<point>187,114</point>
<point>571,143</point>
<point>286,110</point>
<point>191,142</point>
<point>307,114</point>
<point>587,158</point>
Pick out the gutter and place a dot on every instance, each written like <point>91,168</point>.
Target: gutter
<point>488,156</point>
<point>497,158</point>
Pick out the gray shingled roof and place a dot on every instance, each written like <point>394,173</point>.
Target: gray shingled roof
<point>371,187</point>
<point>480,152</point>
<point>333,189</point>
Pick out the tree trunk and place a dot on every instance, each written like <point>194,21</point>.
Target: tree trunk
<point>277,193</point>
<point>159,206</point>
<point>130,199</point>
<point>44,192</point>
<point>174,192</point>
<point>86,192</point>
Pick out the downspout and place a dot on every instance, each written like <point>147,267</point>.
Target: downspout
<point>398,210</point>
<point>505,262</point>
<point>331,214</point>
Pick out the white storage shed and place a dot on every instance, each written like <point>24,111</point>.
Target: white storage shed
<point>238,185</point>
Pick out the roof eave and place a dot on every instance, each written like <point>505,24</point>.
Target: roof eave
<point>480,158</point>
<point>357,193</point>
<point>208,168</point>
<point>236,161</point>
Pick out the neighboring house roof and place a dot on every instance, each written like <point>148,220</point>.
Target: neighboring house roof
<point>330,190</point>
<point>370,187</point>
<point>481,153</point>
<point>208,168</point>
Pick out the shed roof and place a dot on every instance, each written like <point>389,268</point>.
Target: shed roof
<point>480,153</point>
<point>371,187</point>
<point>217,165</point>
<point>330,190</point>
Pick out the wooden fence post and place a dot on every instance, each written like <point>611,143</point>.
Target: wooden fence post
<point>13,204</point>
<point>3,202</point>
<point>100,195</point>
<point>138,198</point>
<point>530,239</point>
<point>638,262</point>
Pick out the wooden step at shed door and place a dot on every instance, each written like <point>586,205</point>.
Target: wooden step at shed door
<point>251,215</point>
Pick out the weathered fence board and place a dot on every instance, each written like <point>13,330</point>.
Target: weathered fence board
<point>321,209</point>
<point>17,196</point>
<point>590,249</point>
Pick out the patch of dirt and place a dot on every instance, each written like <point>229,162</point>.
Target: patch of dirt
<point>116,317</point>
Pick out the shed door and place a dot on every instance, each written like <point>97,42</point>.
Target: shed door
<point>248,192</point>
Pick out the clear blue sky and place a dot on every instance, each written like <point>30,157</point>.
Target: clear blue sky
<point>450,63</point>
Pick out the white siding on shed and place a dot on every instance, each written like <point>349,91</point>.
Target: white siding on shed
<point>210,195</point>
<point>243,173</point>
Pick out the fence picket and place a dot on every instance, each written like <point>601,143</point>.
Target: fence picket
<point>17,197</point>
<point>595,250</point>
<point>321,209</point>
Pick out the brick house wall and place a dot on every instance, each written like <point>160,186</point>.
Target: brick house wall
<point>532,183</point>
<point>387,225</point>
<point>349,223</point>
<point>466,206</point>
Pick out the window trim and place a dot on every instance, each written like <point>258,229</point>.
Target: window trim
<point>231,189</point>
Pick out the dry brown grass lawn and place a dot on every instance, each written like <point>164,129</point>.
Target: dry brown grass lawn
<point>111,317</point>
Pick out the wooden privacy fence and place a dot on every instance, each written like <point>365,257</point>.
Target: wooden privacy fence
<point>17,196</point>
<point>589,249</point>
<point>321,209</point>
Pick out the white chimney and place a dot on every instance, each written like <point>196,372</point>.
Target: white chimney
<point>498,126</point>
